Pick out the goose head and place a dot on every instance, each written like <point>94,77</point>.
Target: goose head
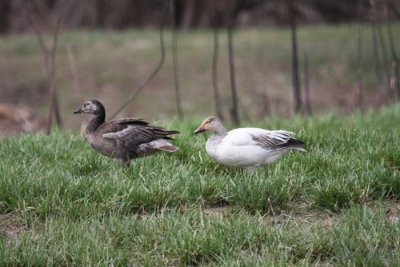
<point>92,107</point>
<point>211,124</point>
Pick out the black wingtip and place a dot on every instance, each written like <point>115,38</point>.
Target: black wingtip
<point>293,143</point>
<point>296,143</point>
<point>173,132</point>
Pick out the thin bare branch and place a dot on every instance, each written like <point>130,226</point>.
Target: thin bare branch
<point>383,48</point>
<point>134,93</point>
<point>266,104</point>
<point>307,84</point>
<point>375,47</point>
<point>386,64</point>
<point>359,68</point>
<point>175,61</point>
<point>52,70</point>
<point>74,72</point>
<point>395,73</point>
<point>217,100</point>
<point>295,64</point>
<point>235,107</point>
<point>49,57</point>
<point>43,48</point>
<point>391,42</point>
<point>393,82</point>
<point>244,112</point>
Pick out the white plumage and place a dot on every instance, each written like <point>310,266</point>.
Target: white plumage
<point>247,147</point>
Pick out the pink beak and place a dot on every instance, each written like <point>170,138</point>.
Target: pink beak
<point>200,129</point>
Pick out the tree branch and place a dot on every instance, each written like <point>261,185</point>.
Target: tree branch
<point>235,106</point>
<point>217,100</point>
<point>74,72</point>
<point>49,58</point>
<point>395,74</point>
<point>134,93</point>
<point>295,62</point>
<point>307,85</point>
<point>175,60</point>
<point>53,96</point>
<point>359,67</point>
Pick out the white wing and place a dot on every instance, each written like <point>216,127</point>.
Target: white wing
<point>259,137</point>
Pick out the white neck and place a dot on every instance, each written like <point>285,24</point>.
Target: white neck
<point>220,131</point>
<point>212,144</point>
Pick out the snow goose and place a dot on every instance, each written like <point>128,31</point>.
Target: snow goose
<point>123,139</point>
<point>246,147</point>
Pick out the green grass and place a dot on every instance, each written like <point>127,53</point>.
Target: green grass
<point>61,203</point>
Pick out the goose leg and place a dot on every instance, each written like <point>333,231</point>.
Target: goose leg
<point>251,169</point>
<point>124,163</point>
<point>266,170</point>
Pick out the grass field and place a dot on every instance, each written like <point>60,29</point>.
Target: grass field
<point>61,203</point>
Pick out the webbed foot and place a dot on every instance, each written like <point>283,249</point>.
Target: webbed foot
<point>124,163</point>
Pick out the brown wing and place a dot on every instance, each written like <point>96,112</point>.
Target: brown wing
<point>115,126</point>
<point>135,132</point>
<point>130,121</point>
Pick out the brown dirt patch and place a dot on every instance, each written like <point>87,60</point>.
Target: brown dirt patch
<point>11,225</point>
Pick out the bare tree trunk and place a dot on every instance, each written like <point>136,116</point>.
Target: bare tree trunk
<point>307,85</point>
<point>49,57</point>
<point>189,7</point>
<point>386,65</point>
<point>217,100</point>
<point>234,110</point>
<point>359,68</point>
<point>53,95</point>
<point>393,82</point>
<point>378,73</point>
<point>295,64</point>
<point>395,63</point>
<point>375,47</point>
<point>57,112</point>
<point>175,61</point>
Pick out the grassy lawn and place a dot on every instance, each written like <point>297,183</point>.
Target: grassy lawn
<point>61,203</point>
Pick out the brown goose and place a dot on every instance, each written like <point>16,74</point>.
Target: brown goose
<point>123,139</point>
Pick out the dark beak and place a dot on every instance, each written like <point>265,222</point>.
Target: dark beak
<point>199,130</point>
<point>79,110</point>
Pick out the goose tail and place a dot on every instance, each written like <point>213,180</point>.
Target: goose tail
<point>296,145</point>
<point>164,145</point>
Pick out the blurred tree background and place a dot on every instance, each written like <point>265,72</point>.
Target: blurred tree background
<point>189,14</point>
<point>235,58</point>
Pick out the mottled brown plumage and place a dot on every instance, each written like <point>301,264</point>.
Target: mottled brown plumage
<point>124,139</point>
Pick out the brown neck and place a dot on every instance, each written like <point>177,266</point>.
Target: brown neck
<point>95,123</point>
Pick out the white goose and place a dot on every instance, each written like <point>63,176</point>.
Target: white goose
<point>246,147</point>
